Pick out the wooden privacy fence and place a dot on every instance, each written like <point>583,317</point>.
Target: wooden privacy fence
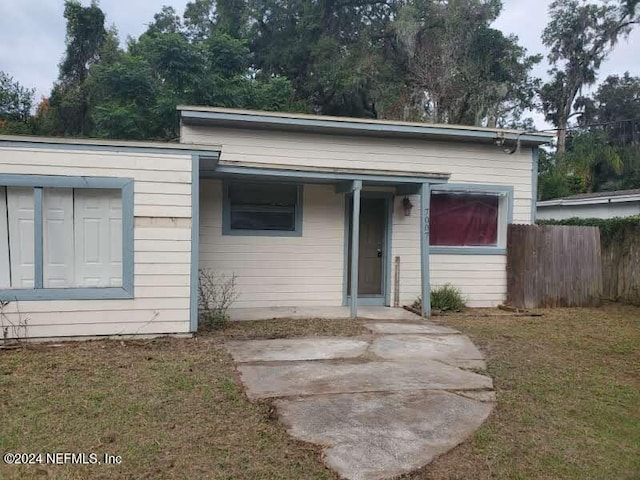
<point>621,266</point>
<point>553,266</point>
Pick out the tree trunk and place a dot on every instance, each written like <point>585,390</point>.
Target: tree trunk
<point>562,136</point>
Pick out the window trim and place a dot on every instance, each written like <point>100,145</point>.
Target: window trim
<point>226,215</point>
<point>38,183</point>
<point>477,188</point>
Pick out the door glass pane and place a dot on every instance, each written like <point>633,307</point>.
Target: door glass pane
<point>20,217</point>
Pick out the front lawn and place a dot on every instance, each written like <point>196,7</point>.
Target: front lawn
<point>568,388</point>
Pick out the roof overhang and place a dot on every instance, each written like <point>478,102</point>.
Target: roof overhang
<point>589,201</point>
<point>65,143</point>
<point>354,126</point>
<point>248,171</point>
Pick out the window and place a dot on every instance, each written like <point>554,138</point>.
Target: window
<point>65,237</point>
<point>472,216</point>
<point>262,209</point>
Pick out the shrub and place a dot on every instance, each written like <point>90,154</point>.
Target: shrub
<point>216,293</point>
<point>446,298</point>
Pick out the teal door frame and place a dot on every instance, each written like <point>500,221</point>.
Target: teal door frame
<point>369,300</point>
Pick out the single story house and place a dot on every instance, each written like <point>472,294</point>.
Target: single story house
<point>620,203</point>
<point>106,238</point>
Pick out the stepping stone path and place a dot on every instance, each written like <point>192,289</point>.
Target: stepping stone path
<point>380,405</point>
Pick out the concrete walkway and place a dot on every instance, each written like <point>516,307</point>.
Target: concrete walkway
<point>381,404</point>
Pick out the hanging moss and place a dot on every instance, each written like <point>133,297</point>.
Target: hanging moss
<point>611,229</point>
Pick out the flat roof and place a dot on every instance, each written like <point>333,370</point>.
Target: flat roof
<point>594,198</point>
<point>228,117</point>
<point>111,145</point>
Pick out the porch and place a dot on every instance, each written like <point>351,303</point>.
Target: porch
<point>275,263</point>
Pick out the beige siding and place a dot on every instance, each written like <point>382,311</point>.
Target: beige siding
<point>482,278</point>
<point>466,162</point>
<point>162,244</point>
<point>279,271</point>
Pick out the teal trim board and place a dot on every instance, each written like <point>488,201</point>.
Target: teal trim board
<point>425,202</point>
<point>355,243</point>
<point>195,242</point>
<point>39,183</point>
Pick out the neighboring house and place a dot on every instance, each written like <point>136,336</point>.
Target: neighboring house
<point>621,203</point>
<point>106,238</point>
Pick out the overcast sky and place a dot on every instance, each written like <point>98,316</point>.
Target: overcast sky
<point>32,35</point>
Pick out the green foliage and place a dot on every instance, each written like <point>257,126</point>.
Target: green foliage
<point>422,60</point>
<point>86,37</point>
<point>611,229</point>
<point>600,158</point>
<point>15,100</point>
<point>457,68</point>
<point>580,35</point>
<point>446,298</point>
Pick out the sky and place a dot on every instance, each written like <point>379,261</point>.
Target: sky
<point>32,34</point>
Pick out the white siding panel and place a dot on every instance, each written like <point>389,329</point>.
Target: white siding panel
<point>467,162</point>
<point>104,328</point>
<point>162,235</point>
<point>279,271</point>
<point>107,316</point>
<point>81,159</point>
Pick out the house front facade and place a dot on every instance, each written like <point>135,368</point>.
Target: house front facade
<point>106,238</point>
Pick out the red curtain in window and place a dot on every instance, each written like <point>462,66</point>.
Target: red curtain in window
<point>458,219</point>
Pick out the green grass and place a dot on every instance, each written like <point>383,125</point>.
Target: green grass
<point>568,390</point>
<point>568,387</point>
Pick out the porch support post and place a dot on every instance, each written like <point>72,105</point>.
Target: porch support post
<point>355,243</point>
<point>425,201</point>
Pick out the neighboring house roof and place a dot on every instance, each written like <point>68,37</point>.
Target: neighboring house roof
<point>354,126</point>
<point>594,198</point>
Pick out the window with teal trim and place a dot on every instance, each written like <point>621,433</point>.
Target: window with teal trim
<point>262,209</point>
<point>65,238</point>
<point>469,218</point>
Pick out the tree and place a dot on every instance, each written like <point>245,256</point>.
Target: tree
<point>86,36</point>
<point>616,108</point>
<point>16,102</point>
<point>332,51</point>
<point>133,93</point>
<point>456,68</point>
<point>580,35</point>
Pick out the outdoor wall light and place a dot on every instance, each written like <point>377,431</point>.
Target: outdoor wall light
<point>407,205</point>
